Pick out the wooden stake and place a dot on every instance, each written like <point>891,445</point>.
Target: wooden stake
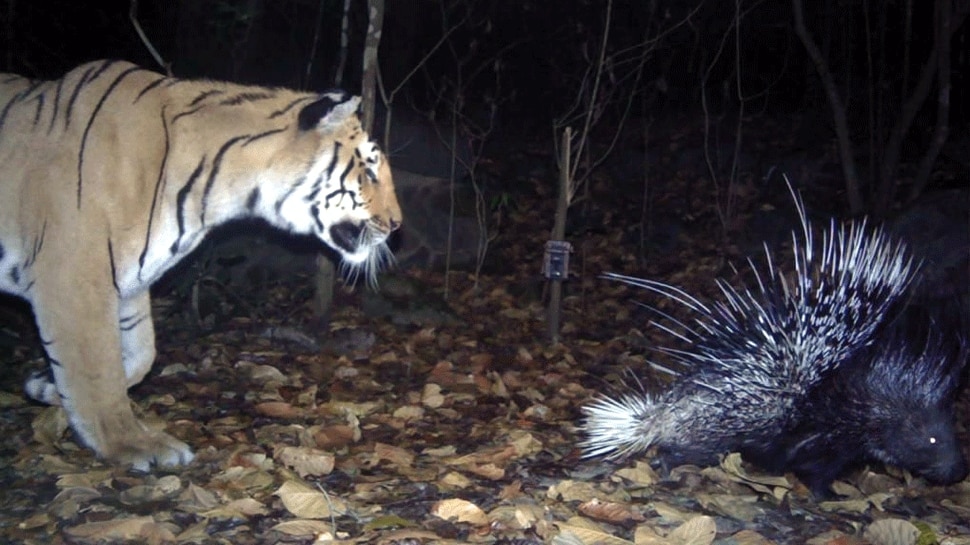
<point>559,233</point>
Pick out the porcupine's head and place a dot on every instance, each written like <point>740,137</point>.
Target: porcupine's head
<point>908,401</point>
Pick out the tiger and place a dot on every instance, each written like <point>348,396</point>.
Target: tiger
<point>112,174</point>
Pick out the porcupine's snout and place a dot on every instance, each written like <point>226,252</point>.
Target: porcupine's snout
<point>949,472</point>
<point>909,421</point>
<point>937,455</point>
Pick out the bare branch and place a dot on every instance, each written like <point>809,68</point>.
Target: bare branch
<point>838,109</point>
<point>344,40</point>
<point>947,23</point>
<point>133,17</point>
<point>313,49</point>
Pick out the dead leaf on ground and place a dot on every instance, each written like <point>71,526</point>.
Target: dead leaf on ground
<point>458,510</point>
<point>306,502</point>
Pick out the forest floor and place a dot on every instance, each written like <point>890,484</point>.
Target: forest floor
<point>415,416</point>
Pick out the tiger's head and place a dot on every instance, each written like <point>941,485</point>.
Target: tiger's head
<point>345,194</point>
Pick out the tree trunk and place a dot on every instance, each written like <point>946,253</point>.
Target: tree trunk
<point>326,276</point>
<point>839,117</point>
<point>368,87</point>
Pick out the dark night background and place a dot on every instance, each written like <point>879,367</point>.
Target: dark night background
<point>541,44</point>
<point>529,58</point>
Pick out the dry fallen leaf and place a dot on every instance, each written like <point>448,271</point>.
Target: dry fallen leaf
<point>303,527</point>
<point>699,530</point>
<point>306,502</point>
<point>522,516</point>
<point>431,396</point>
<point>244,478</point>
<point>569,490</point>
<point>50,425</point>
<point>350,408</point>
<point>487,471</point>
<point>750,537</point>
<point>748,507</point>
<point>263,373</point>
<point>646,534</point>
<point>9,400</point>
<point>398,456</point>
<point>241,508</point>
<point>407,536</point>
<point>88,479</point>
<point>587,533</point>
<point>520,444</point>
<point>129,529</point>
<point>279,409</point>
<point>454,480</point>
<point>164,488</point>
<point>306,461</point>
<point>641,474</point>
<point>765,484</point>
<point>458,510</point>
<point>195,499</point>
<point>409,413</point>
<point>336,437</point>
<point>609,511</point>
<point>892,532</point>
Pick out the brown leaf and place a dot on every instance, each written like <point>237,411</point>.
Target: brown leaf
<point>306,461</point>
<point>335,437</point>
<point>431,396</point>
<point>586,533</point>
<point>700,530</point>
<point>166,487</point>
<point>195,499</point>
<point>141,528</point>
<point>458,510</point>
<point>279,409</point>
<point>488,471</point>
<point>396,455</point>
<point>241,508</point>
<point>307,502</point>
<point>409,413</point>
<point>303,527</point>
<point>609,511</point>
<point>50,425</point>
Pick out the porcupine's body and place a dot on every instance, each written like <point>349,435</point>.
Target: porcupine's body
<point>799,376</point>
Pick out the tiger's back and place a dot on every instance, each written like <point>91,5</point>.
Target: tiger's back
<point>114,173</point>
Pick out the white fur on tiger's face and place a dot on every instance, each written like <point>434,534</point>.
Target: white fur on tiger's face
<point>112,174</point>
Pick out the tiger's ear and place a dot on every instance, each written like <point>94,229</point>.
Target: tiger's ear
<point>329,111</point>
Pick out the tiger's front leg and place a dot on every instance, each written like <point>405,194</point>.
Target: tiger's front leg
<point>137,350</point>
<point>79,323</point>
<point>137,337</point>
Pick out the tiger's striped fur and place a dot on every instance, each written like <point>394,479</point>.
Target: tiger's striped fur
<point>114,173</point>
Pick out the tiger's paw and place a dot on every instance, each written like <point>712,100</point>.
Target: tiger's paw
<point>147,449</point>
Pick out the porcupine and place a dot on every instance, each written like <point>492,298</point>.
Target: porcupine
<point>802,375</point>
